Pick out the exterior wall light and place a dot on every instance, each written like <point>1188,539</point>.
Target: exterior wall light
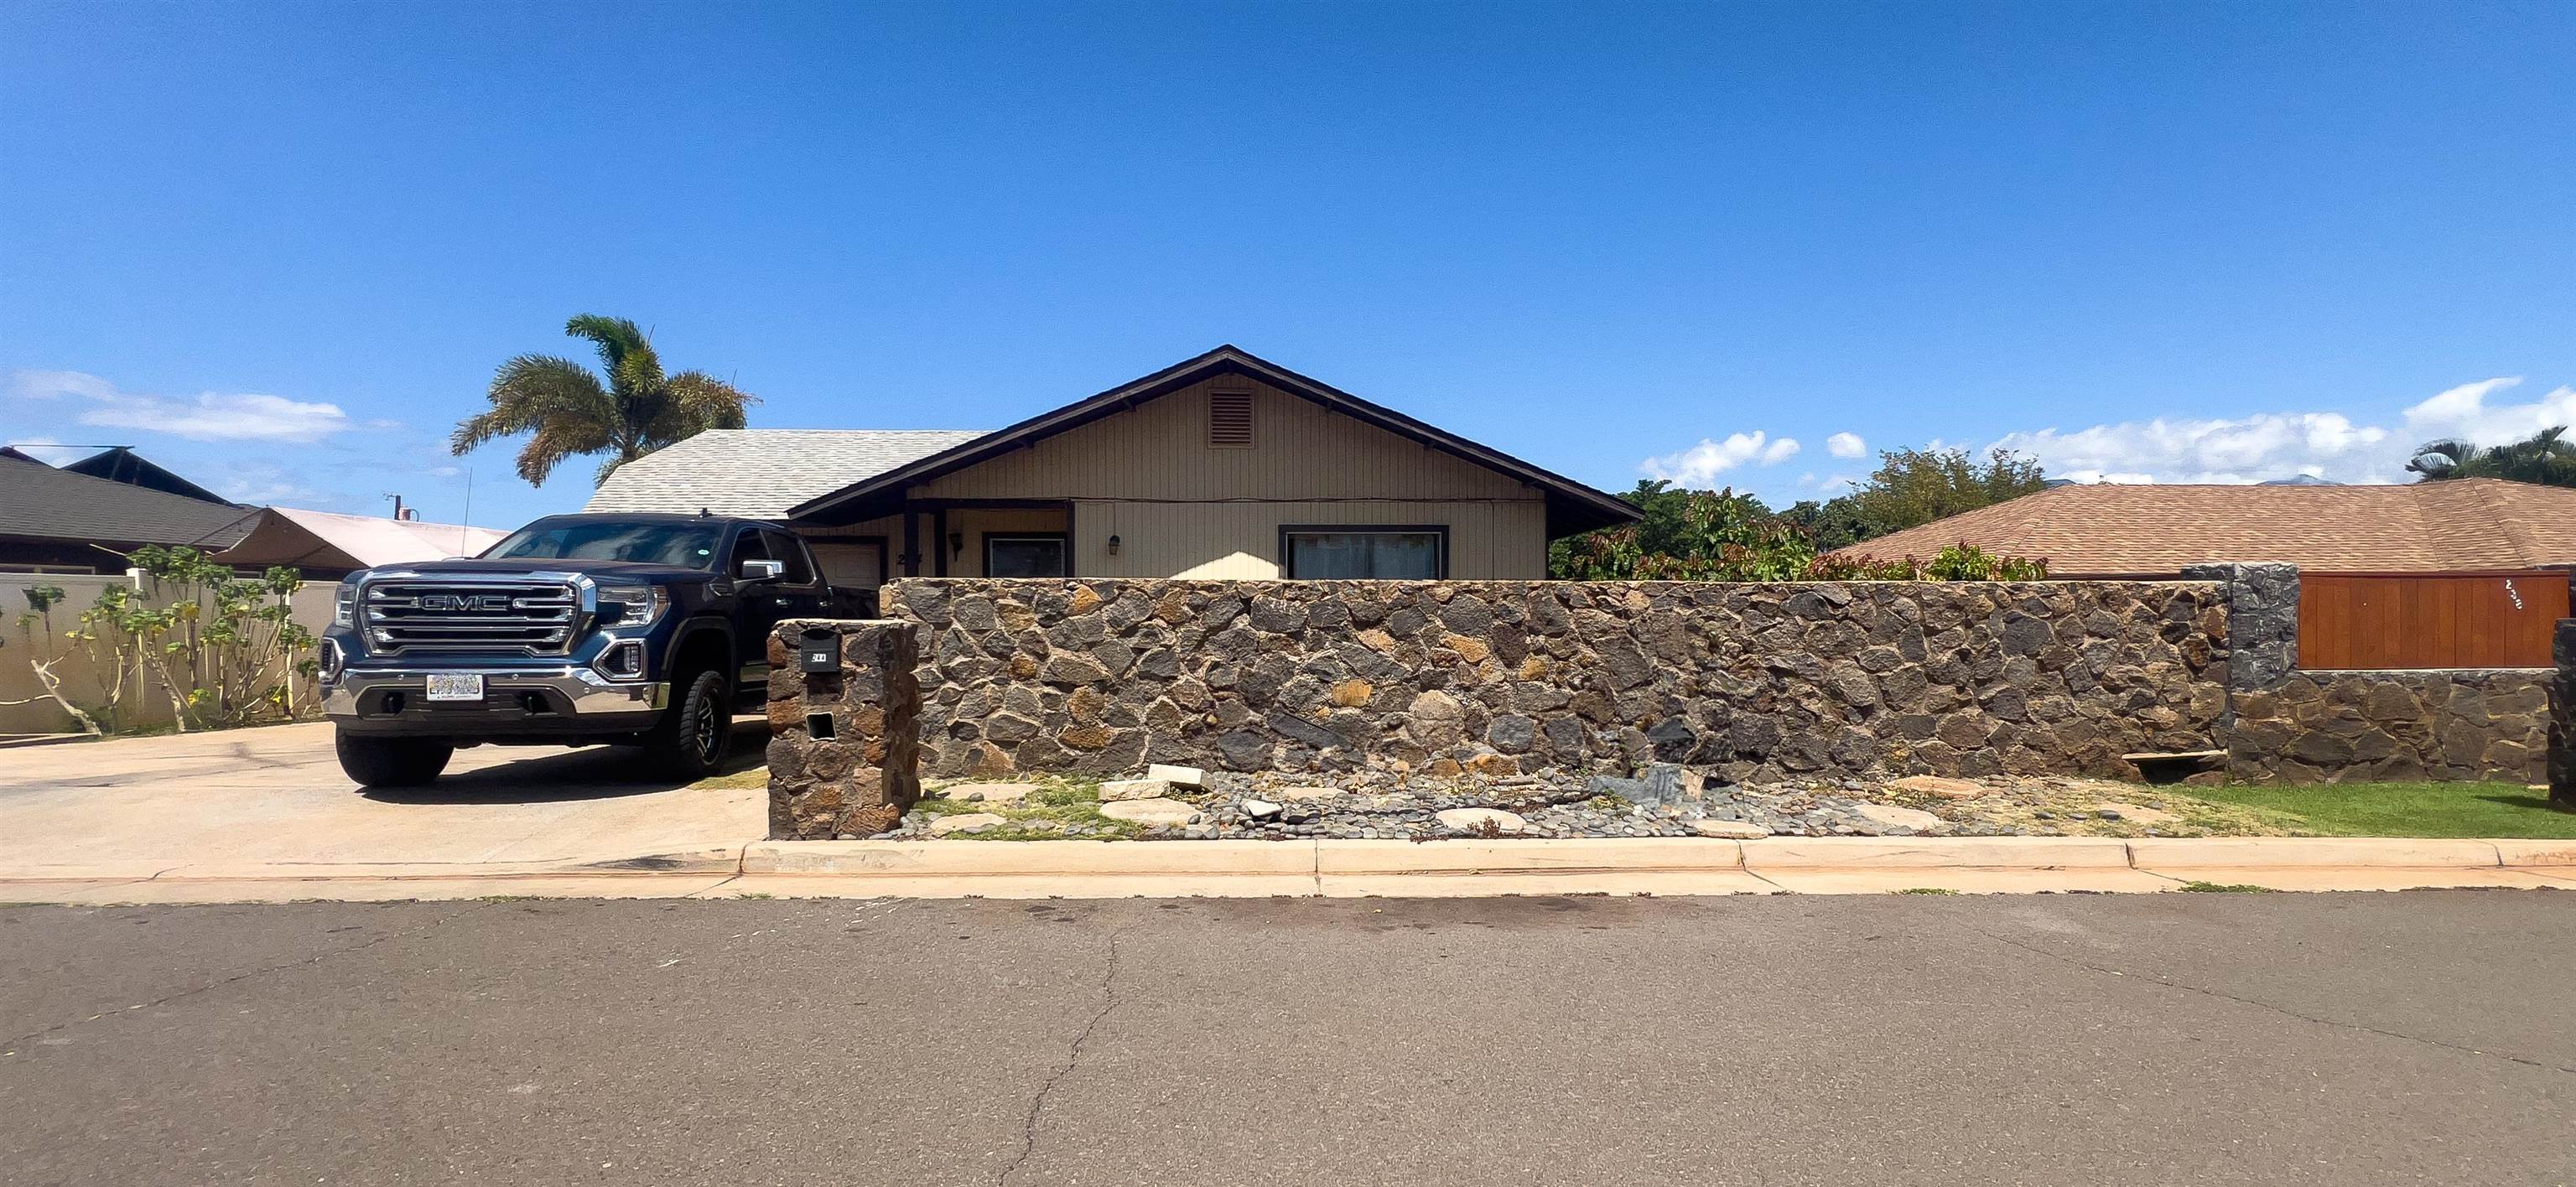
<point>1113,546</point>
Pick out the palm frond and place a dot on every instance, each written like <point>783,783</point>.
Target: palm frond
<point>698,402</point>
<point>616,337</point>
<point>526,393</point>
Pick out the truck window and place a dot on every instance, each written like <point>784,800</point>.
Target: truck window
<point>785,549</point>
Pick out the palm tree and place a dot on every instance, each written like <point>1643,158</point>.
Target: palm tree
<point>2541,458</point>
<point>571,412</point>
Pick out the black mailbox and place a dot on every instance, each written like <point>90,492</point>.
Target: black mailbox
<point>819,650</point>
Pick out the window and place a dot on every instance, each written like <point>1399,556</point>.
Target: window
<point>659,542</point>
<point>1330,552</point>
<point>1230,420</point>
<point>782,548</point>
<point>1025,556</point>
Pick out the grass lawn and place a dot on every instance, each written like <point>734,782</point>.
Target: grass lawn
<point>2405,809</point>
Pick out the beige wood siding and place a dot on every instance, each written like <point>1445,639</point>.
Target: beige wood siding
<point>1160,451</point>
<point>1182,508</point>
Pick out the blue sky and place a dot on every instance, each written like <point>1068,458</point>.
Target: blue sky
<point>282,248</point>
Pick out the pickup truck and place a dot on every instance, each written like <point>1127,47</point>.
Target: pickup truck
<point>648,630</point>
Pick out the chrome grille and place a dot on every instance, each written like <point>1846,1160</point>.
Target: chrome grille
<point>471,615</point>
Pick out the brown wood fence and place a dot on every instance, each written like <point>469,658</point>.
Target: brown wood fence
<point>2429,620</point>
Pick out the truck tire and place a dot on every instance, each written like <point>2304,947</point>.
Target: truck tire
<point>391,762</point>
<point>693,737</point>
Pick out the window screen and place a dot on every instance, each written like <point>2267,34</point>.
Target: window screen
<point>1368,554</point>
<point>1024,556</point>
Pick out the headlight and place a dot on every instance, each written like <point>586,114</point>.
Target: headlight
<point>636,605</point>
<point>344,606</point>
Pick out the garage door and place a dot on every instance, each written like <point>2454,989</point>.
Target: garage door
<point>851,564</point>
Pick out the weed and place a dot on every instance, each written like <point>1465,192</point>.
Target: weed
<point>1924,890</point>
<point>2226,888</point>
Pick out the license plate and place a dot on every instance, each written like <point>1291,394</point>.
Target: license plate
<point>456,686</point>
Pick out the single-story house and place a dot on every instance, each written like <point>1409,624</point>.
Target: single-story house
<point>1222,466</point>
<point>58,521</point>
<point>327,546</point>
<point>2153,531</point>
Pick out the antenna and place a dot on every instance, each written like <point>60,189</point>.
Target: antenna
<point>465,530</point>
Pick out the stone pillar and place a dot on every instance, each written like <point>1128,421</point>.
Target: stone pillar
<point>863,776</point>
<point>2562,718</point>
<point>2262,621</point>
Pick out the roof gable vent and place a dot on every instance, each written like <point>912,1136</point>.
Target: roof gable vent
<point>1229,420</point>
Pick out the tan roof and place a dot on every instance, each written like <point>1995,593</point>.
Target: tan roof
<point>2090,530</point>
<point>328,540</point>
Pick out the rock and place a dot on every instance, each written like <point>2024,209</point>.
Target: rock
<point>1151,812</point>
<point>1177,776</point>
<point>1735,830</point>
<point>1948,789</point>
<point>1298,794</point>
<point>1477,820</point>
<point>2138,813</point>
<point>1134,789</point>
<point>1260,809</point>
<point>1910,819</point>
<point>1244,750</point>
<point>990,793</point>
<point>963,822</point>
<point>1665,783</point>
<point>1632,790</point>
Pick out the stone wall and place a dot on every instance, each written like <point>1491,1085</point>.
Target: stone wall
<point>1101,676</point>
<point>2316,727</point>
<point>864,777</point>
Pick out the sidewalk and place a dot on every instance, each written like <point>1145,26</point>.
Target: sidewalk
<point>1353,869</point>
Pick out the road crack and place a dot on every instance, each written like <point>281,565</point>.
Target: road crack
<point>2260,1004</point>
<point>11,1045</point>
<point>1072,1056</point>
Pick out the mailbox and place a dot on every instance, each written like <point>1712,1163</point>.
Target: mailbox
<point>819,650</point>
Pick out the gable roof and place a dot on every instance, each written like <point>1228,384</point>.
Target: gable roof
<point>39,502</point>
<point>760,473</point>
<point>1571,506</point>
<point>121,464</point>
<point>328,540</point>
<point>2109,530</point>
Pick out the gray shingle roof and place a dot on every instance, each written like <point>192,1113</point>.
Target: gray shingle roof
<point>763,472</point>
<point>39,502</point>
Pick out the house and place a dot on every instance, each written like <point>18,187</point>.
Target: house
<point>2459,526</point>
<point>58,521</point>
<point>122,464</point>
<point>1222,466</point>
<point>327,546</point>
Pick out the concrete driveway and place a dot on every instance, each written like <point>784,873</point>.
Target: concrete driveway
<point>137,807</point>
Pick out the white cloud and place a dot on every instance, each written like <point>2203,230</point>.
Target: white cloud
<point>212,416</point>
<point>2268,446</point>
<point>1700,464</point>
<point>1846,445</point>
<point>2245,449</point>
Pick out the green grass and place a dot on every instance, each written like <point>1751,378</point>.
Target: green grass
<point>2405,809</point>
<point>1042,815</point>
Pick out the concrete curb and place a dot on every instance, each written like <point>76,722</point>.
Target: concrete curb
<point>1335,868</point>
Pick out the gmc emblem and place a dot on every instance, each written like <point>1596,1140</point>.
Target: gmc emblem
<point>491,602</point>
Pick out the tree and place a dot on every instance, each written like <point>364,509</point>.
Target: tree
<point>1719,535</point>
<point>2542,458</point>
<point>569,411</point>
<point>1916,486</point>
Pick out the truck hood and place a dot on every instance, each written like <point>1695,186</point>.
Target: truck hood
<point>601,570</point>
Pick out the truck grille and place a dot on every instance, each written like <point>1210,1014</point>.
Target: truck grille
<point>471,615</point>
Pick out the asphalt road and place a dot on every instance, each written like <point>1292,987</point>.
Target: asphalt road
<point>2203,1039</point>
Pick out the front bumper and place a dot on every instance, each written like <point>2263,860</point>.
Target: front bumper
<point>565,700</point>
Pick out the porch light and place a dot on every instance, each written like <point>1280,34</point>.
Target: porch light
<point>1113,546</point>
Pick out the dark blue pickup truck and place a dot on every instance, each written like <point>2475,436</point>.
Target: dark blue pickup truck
<point>647,630</point>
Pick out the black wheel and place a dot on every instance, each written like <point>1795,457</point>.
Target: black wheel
<point>694,735</point>
<point>392,762</point>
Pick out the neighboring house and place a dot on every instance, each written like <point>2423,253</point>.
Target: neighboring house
<point>121,464</point>
<point>57,521</point>
<point>1224,466</point>
<point>328,546</point>
<point>2459,526</point>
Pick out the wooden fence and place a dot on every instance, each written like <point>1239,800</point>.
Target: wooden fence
<point>2429,620</point>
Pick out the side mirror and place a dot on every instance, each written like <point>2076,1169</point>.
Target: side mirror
<point>763,570</point>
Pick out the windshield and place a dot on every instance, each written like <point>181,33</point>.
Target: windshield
<point>691,545</point>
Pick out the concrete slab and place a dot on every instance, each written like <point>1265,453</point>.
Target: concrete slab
<point>367,890</point>
<point>2278,852</point>
<point>276,794</point>
<point>1063,886</point>
<point>1856,853</point>
<point>1658,883</point>
<point>1572,855</point>
<point>1966,880</point>
<point>1029,858</point>
<point>2313,877</point>
<point>2536,853</point>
